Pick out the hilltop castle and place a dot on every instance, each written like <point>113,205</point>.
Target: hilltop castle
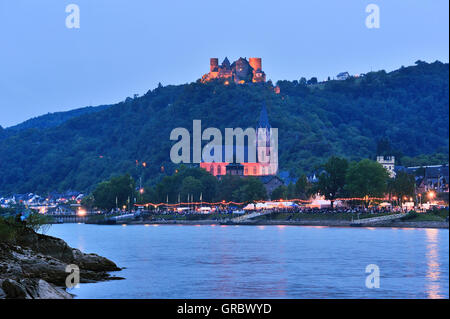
<point>241,71</point>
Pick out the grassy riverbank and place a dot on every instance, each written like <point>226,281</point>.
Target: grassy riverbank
<point>434,219</point>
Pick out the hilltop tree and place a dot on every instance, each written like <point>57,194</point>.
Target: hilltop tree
<point>332,179</point>
<point>313,80</point>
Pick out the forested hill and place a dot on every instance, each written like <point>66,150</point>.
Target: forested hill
<point>54,119</point>
<point>408,106</point>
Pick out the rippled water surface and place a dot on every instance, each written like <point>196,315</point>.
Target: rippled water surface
<point>264,261</point>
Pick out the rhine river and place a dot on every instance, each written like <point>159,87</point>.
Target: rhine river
<point>174,261</point>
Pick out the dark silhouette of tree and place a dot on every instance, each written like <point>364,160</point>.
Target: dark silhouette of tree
<point>332,179</point>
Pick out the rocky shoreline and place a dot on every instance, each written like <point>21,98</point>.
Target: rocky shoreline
<point>34,267</point>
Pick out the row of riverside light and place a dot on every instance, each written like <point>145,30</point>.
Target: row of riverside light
<point>260,201</point>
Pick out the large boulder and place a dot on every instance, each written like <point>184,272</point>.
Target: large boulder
<point>31,289</point>
<point>58,249</point>
<point>36,265</point>
<point>12,289</point>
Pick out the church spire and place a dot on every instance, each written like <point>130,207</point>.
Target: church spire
<point>264,118</point>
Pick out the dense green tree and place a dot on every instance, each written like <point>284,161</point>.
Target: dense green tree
<point>313,80</point>
<point>118,191</point>
<point>291,191</point>
<point>251,189</point>
<point>332,179</point>
<point>403,185</point>
<point>88,202</point>
<point>384,147</point>
<point>227,185</point>
<point>366,178</point>
<point>191,187</point>
<point>279,193</point>
<point>303,189</point>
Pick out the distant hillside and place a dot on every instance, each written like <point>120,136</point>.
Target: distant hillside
<point>55,119</point>
<point>408,106</point>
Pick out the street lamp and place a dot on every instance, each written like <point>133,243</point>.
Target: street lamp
<point>394,198</point>
<point>420,200</point>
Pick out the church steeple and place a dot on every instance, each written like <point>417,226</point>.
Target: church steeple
<point>263,140</point>
<point>264,118</point>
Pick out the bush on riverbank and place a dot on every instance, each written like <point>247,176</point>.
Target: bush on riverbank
<point>11,229</point>
<point>437,215</point>
<point>7,233</point>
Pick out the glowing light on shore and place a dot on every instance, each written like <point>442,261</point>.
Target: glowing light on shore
<point>81,212</point>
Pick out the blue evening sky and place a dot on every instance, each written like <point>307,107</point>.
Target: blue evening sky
<point>125,47</point>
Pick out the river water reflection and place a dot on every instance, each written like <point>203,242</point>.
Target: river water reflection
<point>174,261</point>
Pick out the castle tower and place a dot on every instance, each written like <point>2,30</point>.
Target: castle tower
<point>214,64</point>
<point>256,63</point>
<point>258,74</point>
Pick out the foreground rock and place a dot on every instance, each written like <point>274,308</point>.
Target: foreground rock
<point>35,267</point>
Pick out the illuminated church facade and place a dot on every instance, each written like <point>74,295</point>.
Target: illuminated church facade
<point>266,157</point>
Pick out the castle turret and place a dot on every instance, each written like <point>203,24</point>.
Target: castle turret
<point>214,64</point>
<point>258,74</point>
<point>256,63</point>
